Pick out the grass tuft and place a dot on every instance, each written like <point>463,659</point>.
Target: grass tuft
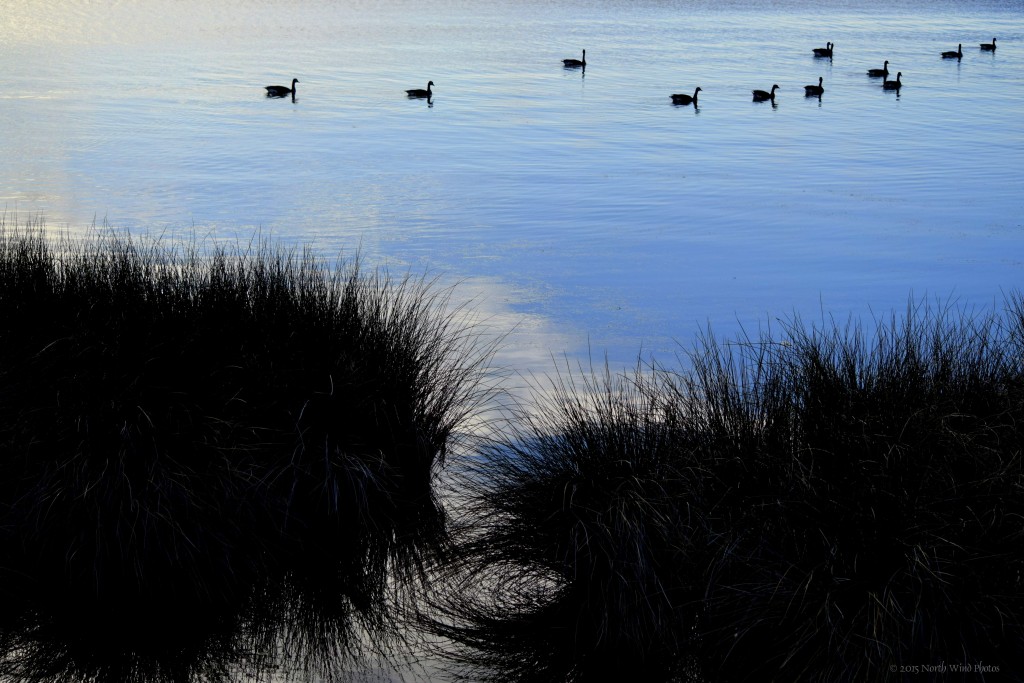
<point>188,432</point>
<point>820,506</point>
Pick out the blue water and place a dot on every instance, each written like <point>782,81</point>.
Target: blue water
<point>580,209</point>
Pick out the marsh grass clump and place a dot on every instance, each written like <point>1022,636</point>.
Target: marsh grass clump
<point>818,506</point>
<point>573,525</point>
<point>186,433</point>
<point>891,531</point>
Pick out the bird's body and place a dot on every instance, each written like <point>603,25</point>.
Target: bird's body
<point>893,85</point>
<point>989,47</point>
<point>958,54</point>
<point>883,72</point>
<point>824,51</point>
<point>281,90</point>
<point>420,92</point>
<point>815,90</point>
<point>763,95</point>
<point>686,99</point>
<point>576,62</point>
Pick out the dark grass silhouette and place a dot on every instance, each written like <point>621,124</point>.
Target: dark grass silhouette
<point>820,506</point>
<point>204,454</point>
<point>216,462</point>
<point>568,540</point>
<point>872,523</point>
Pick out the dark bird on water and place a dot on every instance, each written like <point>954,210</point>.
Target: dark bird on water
<point>814,90</point>
<point>958,54</point>
<point>281,90</point>
<point>824,51</point>
<point>576,62</point>
<point>893,85</point>
<point>420,92</point>
<point>763,95</point>
<point>883,72</point>
<point>686,99</point>
<point>989,47</point>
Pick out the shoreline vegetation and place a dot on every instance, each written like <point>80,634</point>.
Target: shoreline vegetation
<point>218,463</point>
<point>211,454</point>
<point>830,504</point>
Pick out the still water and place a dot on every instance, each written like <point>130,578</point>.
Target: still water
<point>580,208</point>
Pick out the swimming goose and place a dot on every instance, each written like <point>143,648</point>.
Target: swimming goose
<point>989,47</point>
<point>761,95</point>
<point>814,90</point>
<point>420,92</point>
<point>280,90</point>
<point>893,85</point>
<point>883,72</point>
<point>824,51</point>
<point>686,99</point>
<point>576,62</point>
<point>954,55</point>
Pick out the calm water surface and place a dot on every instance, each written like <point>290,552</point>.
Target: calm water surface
<point>582,208</point>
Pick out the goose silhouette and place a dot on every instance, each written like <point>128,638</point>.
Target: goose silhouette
<point>281,90</point>
<point>824,51</point>
<point>894,85</point>
<point>686,99</point>
<point>420,92</point>
<point>883,72</point>
<point>954,55</point>
<point>763,95</point>
<point>814,90</point>
<point>576,62</point>
<point>989,47</point>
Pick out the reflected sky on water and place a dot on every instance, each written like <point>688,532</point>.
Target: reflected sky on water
<point>579,208</point>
